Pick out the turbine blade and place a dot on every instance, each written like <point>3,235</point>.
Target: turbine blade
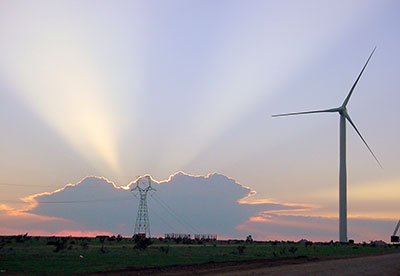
<point>358,78</point>
<point>362,138</point>
<point>307,112</point>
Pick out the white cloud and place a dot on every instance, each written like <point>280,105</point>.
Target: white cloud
<point>183,203</point>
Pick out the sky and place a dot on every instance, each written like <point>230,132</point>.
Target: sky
<point>126,88</point>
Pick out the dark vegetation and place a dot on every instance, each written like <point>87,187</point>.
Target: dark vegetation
<point>22,254</point>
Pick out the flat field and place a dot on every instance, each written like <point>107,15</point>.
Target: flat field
<point>24,255</point>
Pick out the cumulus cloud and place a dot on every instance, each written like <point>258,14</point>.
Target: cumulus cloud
<point>93,203</point>
<point>183,203</point>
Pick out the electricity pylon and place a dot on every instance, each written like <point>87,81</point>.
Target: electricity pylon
<point>142,226</point>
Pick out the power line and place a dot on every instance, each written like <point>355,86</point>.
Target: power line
<point>181,216</point>
<point>45,186</point>
<point>174,214</point>
<point>69,201</point>
<point>24,185</point>
<point>157,199</point>
<point>157,215</point>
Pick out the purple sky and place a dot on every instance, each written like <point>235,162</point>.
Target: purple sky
<point>126,88</point>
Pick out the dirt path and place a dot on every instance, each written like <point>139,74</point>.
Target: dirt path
<point>382,265</point>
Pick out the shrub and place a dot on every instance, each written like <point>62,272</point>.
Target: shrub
<point>60,245</point>
<point>142,243</point>
<point>249,239</point>
<point>292,249</point>
<point>241,249</point>
<point>84,245</point>
<point>164,249</point>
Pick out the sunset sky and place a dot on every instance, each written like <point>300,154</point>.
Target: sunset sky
<point>118,89</point>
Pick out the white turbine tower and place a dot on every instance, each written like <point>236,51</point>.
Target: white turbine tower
<point>342,110</point>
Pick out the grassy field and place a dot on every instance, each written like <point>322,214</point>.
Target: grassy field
<point>65,256</point>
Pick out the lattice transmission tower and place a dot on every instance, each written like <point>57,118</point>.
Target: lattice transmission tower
<point>142,226</point>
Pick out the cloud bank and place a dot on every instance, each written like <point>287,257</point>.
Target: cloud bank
<point>183,203</point>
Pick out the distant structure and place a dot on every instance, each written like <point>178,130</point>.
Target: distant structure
<point>394,237</point>
<point>202,237</point>
<point>142,226</point>
<point>205,237</point>
<point>172,236</point>
<point>344,116</point>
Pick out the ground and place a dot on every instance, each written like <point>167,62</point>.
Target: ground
<point>24,255</point>
<point>382,265</point>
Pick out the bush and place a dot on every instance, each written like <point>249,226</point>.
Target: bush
<point>60,245</point>
<point>164,249</point>
<point>241,249</point>
<point>142,243</point>
<point>249,239</point>
<point>292,249</point>
<point>84,245</point>
<point>22,238</point>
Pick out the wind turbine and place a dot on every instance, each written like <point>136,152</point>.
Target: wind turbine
<point>342,110</point>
